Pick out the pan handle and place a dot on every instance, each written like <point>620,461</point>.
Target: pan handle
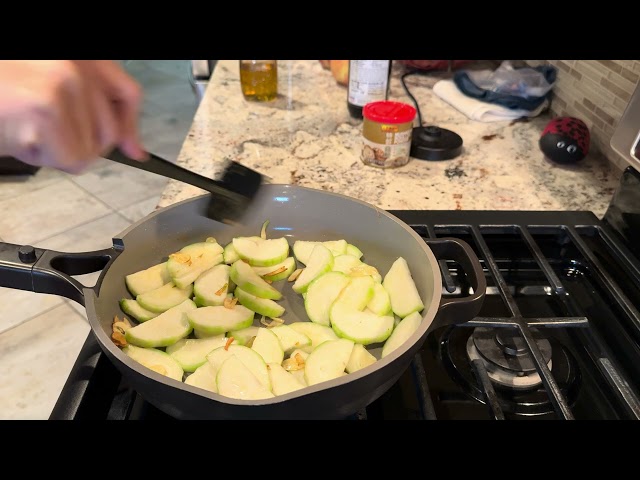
<point>459,310</point>
<point>24,267</point>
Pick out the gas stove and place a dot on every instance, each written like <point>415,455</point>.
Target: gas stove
<point>558,336</point>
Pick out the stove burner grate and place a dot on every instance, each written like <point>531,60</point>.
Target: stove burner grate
<point>516,378</point>
<point>528,398</point>
<point>516,321</point>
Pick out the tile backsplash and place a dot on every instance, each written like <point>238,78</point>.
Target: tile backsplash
<point>597,92</point>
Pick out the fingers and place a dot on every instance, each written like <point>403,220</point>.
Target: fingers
<point>50,120</point>
<point>104,112</point>
<point>76,117</point>
<point>64,114</point>
<point>106,123</point>
<point>78,121</point>
<point>126,96</point>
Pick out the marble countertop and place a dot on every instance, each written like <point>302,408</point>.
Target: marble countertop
<point>306,137</point>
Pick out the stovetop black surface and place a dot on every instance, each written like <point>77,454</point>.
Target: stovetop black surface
<point>563,276</point>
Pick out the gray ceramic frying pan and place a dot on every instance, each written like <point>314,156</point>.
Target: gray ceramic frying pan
<point>294,212</point>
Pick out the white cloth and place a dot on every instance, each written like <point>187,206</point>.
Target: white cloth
<point>477,109</point>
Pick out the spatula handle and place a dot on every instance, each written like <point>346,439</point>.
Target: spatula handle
<point>165,168</point>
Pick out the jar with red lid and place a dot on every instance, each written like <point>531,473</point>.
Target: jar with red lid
<point>386,132</point>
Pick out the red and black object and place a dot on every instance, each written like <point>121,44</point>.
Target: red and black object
<point>565,140</point>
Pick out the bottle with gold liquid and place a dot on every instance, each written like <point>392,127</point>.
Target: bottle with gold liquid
<point>259,80</point>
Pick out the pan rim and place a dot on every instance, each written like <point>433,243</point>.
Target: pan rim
<point>428,314</point>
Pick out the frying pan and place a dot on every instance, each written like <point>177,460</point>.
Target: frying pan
<point>295,212</point>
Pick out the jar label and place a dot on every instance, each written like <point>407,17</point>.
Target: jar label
<point>388,154</point>
<point>386,145</point>
<point>368,81</point>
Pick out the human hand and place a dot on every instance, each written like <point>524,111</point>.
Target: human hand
<point>64,113</point>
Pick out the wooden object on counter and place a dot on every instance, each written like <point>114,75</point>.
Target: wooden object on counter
<point>340,71</point>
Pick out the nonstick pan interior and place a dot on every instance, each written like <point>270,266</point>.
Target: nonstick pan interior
<point>294,212</point>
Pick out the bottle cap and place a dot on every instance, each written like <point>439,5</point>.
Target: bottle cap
<point>386,111</point>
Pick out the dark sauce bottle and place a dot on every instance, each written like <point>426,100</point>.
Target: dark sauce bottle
<point>368,82</point>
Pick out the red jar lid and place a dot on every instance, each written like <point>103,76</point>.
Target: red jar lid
<point>389,112</point>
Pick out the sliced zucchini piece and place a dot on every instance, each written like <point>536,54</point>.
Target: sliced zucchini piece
<point>220,319</point>
<point>354,251</point>
<point>210,288</point>
<point>337,247</point>
<point>289,338</point>
<point>204,377</point>
<point>156,360</point>
<point>252,360</point>
<point>147,280</point>
<point>242,336</point>
<point>299,376</point>
<point>193,260</point>
<point>245,278</point>
<point>364,327</point>
<point>402,332</point>
<point>402,290</point>
<point>317,333</point>
<point>192,353</point>
<point>353,267</point>
<point>320,261</point>
<point>344,263</point>
<point>277,272</point>
<point>282,381</point>
<point>321,294</point>
<point>328,361</point>
<point>357,294</point>
<point>235,380</point>
<point>380,303</point>
<point>163,330</point>
<point>268,346</point>
<point>302,249</point>
<point>198,334</point>
<point>163,298</point>
<point>230,255</point>
<point>262,306</point>
<point>263,253</point>
<point>360,358</point>
<point>133,309</point>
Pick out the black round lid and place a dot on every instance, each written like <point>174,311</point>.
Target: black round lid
<point>435,143</point>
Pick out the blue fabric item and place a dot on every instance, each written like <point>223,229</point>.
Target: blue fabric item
<point>469,88</point>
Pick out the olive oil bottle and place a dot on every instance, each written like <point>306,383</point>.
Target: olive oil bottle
<point>259,80</point>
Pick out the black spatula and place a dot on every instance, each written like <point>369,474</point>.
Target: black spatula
<point>230,196</point>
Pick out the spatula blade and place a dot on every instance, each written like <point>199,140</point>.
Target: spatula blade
<point>242,185</point>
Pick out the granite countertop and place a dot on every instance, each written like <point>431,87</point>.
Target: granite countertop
<point>306,137</point>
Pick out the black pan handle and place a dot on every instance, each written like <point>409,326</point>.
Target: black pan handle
<point>458,310</point>
<point>24,267</point>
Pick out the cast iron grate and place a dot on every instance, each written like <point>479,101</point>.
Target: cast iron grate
<point>523,324</point>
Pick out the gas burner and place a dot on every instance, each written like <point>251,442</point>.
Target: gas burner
<point>517,384</point>
<point>506,357</point>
